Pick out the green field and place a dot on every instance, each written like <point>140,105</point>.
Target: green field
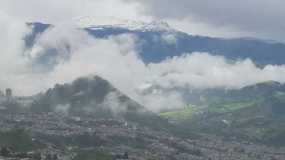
<point>230,107</point>
<point>188,112</point>
<point>185,113</point>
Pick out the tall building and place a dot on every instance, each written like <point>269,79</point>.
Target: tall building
<point>9,94</point>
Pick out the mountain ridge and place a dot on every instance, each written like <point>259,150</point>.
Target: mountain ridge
<point>155,49</point>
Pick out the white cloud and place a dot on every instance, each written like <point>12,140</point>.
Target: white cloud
<point>202,70</point>
<point>116,60</point>
<point>169,39</point>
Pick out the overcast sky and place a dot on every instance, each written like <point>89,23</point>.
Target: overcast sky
<point>255,16</point>
<point>225,18</point>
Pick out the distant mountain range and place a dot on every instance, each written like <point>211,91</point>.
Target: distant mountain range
<point>254,112</point>
<point>158,41</point>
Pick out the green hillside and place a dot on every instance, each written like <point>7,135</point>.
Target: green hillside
<point>185,113</point>
<point>260,120</point>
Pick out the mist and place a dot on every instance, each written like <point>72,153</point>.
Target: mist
<point>116,60</point>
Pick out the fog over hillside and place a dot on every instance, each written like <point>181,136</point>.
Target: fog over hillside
<point>116,59</point>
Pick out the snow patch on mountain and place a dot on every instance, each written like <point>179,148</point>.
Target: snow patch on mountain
<point>90,23</point>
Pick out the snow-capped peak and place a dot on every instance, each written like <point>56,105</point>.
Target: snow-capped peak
<point>92,23</point>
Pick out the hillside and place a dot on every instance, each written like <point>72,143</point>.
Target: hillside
<point>90,119</point>
<point>95,97</point>
<point>157,42</point>
<point>254,113</point>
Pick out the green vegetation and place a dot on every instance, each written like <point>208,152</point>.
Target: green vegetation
<point>88,155</point>
<point>259,119</point>
<point>186,113</point>
<point>18,139</point>
<point>189,112</point>
<point>230,107</point>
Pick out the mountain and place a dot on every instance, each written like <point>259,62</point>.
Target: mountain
<point>90,119</point>
<point>254,113</point>
<point>260,121</point>
<point>84,94</point>
<point>95,97</point>
<point>157,41</point>
<point>247,93</point>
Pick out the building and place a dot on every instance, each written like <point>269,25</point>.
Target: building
<point>9,92</point>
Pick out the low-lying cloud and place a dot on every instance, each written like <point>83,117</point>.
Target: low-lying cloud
<point>116,59</point>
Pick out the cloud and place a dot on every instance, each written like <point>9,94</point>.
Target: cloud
<point>260,18</point>
<point>115,59</point>
<point>112,102</point>
<point>11,40</point>
<point>202,70</point>
<point>12,61</point>
<point>169,39</point>
<point>62,11</point>
<point>62,109</point>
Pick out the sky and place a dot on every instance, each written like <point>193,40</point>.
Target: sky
<point>259,18</point>
<point>223,18</point>
<point>116,58</point>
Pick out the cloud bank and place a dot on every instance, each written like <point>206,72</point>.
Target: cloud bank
<point>116,60</point>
